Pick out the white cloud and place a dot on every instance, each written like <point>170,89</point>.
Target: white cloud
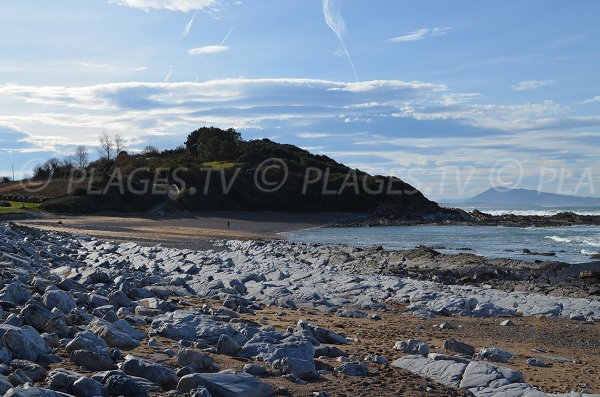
<point>209,49</point>
<point>171,5</point>
<point>107,67</point>
<point>313,135</point>
<point>420,34</point>
<point>594,99</point>
<point>526,85</point>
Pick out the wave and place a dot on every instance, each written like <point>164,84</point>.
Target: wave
<point>539,212</point>
<point>592,242</point>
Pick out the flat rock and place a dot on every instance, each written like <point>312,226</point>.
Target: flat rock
<point>227,385</point>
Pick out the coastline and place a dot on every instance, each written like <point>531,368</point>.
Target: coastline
<point>187,230</point>
<point>403,294</point>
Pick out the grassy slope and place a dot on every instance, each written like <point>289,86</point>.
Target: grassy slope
<point>17,208</point>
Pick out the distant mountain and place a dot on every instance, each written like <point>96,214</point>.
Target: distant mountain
<point>525,198</point>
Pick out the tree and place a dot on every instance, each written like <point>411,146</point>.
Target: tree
<point>81,157</point>
<point>150,150</point>
<point>120,144</point>
<point>107,147</point>
<point>215,144</point>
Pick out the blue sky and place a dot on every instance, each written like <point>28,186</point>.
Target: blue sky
<point>450,96</point>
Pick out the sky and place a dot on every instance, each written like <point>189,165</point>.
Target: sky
<point>453,97</point>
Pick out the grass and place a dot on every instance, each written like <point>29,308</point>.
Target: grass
<point>220,164</point>
<point>16,207</point>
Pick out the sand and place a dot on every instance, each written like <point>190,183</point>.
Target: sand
<point>192,231</point>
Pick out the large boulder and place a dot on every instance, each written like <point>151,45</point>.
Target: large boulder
<point>322,335</point>
<point>59,299</point>
<point>272,347</point>
<point>113,335</point>
<point>91,360</point>
<point>157,373</point>
<point>189,325</point>
<point>25,343</point>
<point>227,385</point>
<point>195,360</point>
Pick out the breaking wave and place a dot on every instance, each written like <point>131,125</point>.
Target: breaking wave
<point>589,241</point>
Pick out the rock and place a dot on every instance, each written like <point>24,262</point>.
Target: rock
<point>459,347</point>
<point>157,373</point>
<point>30,391</point>
<point>34,371</point>
<point>353,369</point>
<point>195,360</point>
<point>413,346</point>
<point>5,385</point>
<point>227,345</point>
<point>446,372</point>
<point>200,391</point>
<point>91,360</point>
<point>59,299</point>
<point>189,325</point>
<point>456,372</point>
<point>329,351</point>
<point>88,387</point>
<point>507,323</point>
<point>352,314</point>
<point>446,325</point>
<point>24,343</point>
<point>272,347</point>
<point>114,336</point>
<point>119,299</point>
<point>60,379</point>
<point>119,384</point>
<point>256,370</point>
<point>536,362</point>
<point>478,374</point>
<point>16,293</point>
<point>376,358</point>
<point>226,385</point>
<point>494,354</point>
<point>323,335</point>
<point>87,340</point>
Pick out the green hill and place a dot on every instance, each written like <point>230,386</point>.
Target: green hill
<point>218,170</point>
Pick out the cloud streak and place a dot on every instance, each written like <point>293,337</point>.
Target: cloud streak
<point>212,49</point>
<point>335,21</point>
<point>528,85</point>
<point>170,5</point>
<point>420,34</point>
<point>188,27</point>
<point>209,49</point>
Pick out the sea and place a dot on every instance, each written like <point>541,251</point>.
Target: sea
<point>571,244</point>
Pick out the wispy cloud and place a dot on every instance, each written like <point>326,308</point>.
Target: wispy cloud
<point>594,99</point>
<point>209,49</point>
<point>527,85</point>
<point>110,67</point>
<point>168,75</point>
<point>188,26</point>
<point>171,5</point>
<point>212,49</point>
<point>420,34</point>
<point>335,21</point>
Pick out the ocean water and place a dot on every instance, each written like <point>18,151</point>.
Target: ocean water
<point>572,244</point>
<point>537,211</point>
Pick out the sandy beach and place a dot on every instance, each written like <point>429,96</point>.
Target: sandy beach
<point>192,231</point>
